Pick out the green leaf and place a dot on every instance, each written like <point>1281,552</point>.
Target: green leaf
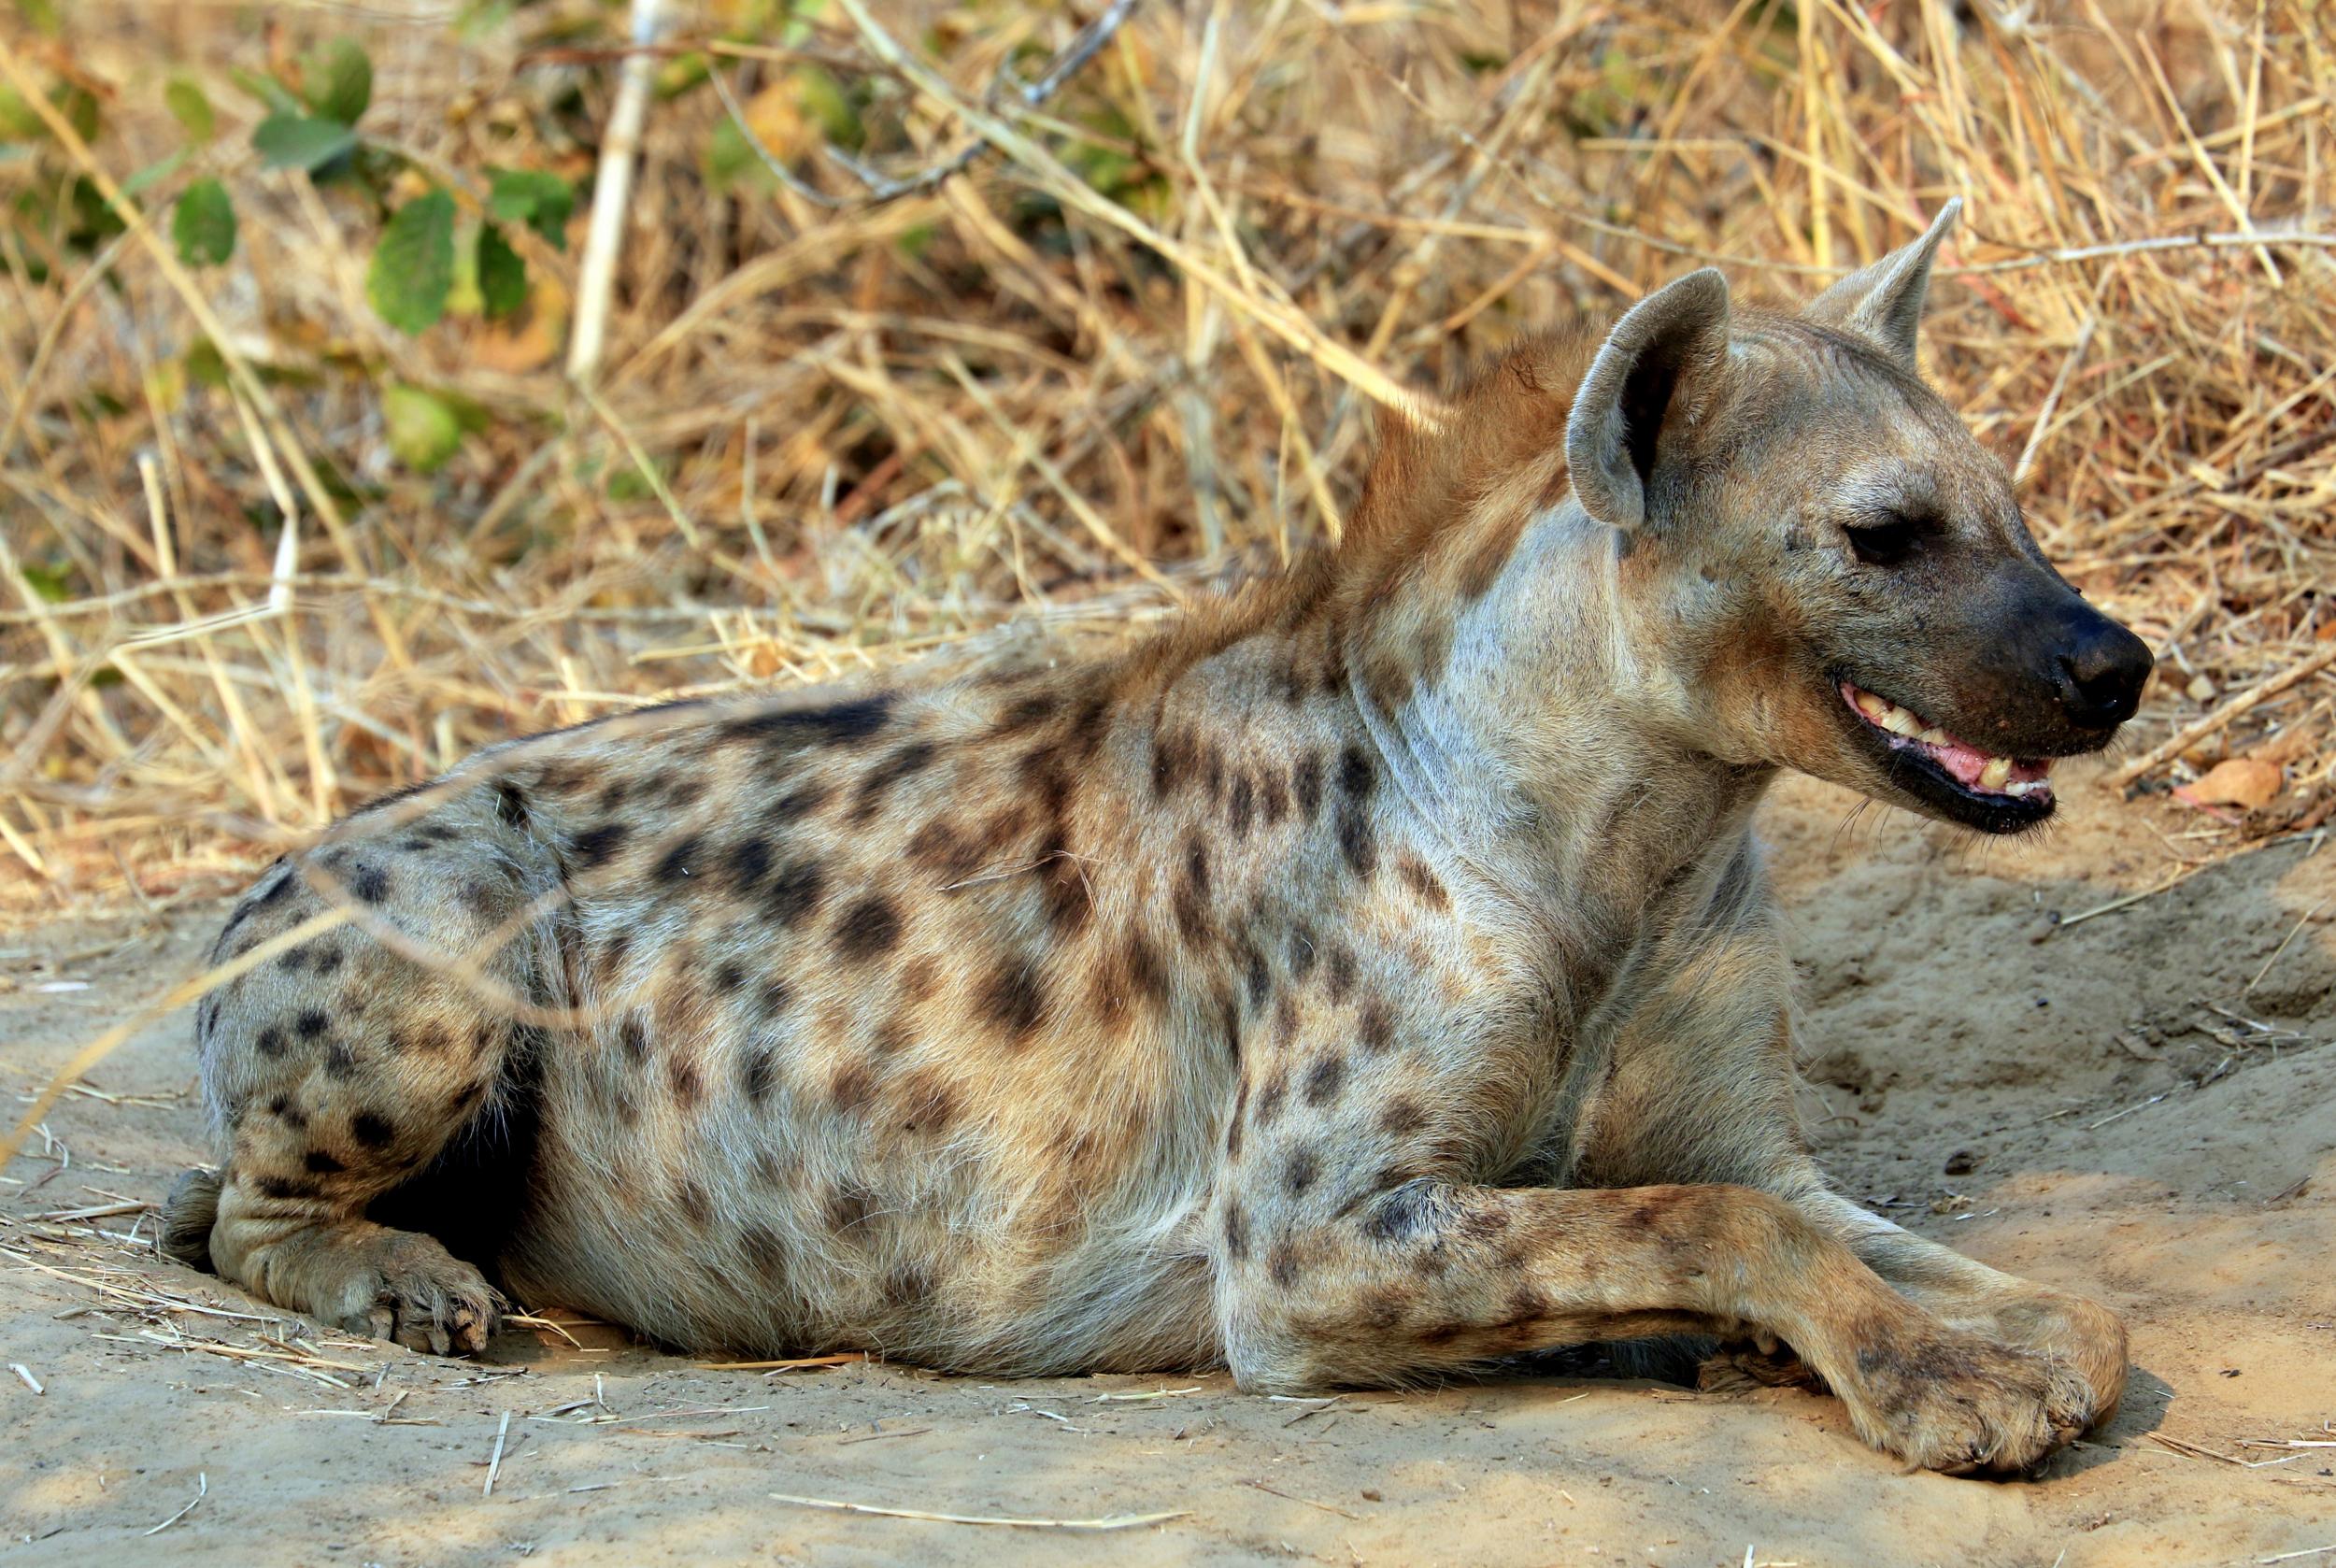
<point>274,93</point>
<point>290,141</point>
<point>153,173</point>
<point>424,428</point>
<point>53,583</point>
<point>41,15</point>
<point>337,82</point>
<point>501,273</point>
<point>80,108</point>
<point>413,268</point>
<point>191,108</point>
<point>826,102</point>
<point>731,159</point>
<point>539,200</point>
<point>205,224</point>
<point>19,121</point>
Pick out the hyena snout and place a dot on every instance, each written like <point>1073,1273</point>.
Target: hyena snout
<point>2101,669</point>
<point>2076,674</point>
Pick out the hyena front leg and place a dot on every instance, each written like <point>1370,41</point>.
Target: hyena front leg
<point>1434,1275</point>
<point>337,1072</point>
<point>1988,1302</point>
<point>1702,1091</point>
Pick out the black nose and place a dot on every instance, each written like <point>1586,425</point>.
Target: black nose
<point>2102,669</point>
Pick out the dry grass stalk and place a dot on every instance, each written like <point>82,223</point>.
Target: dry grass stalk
<point>1117,356</point>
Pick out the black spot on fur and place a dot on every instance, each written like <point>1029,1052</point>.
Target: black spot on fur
<point>908,1285</point>
<point>1376,1028</point>
<point>758,1072</point>
<point>1339,976</point>
<point>867,929</point>
<point>1062,885</point>
<point>1356,843</point>
<point>1014,997</point>
<point>842,723</point>
<point>328,957</point>
<point>679,863</point>
<point>1255,975</point>
<point>286,1188</point>
<point>1241,804</point>
<point>1237,1232</point>
<point>510,803</point>
<point>1301,1172</point>
<point>797,803</point>
<point>905,762</point>
<point>369,882</point>
<point>764,1250</point>
<point>1357,778</point>
<point>321,1162</point>
<point>1026,711</point>
<point>1190,901</point>
<point>848,1206</point>
<point>1168,766</point>
<point>1306,784</point>
<point>1282,1265</point>
<point>595,845</point>
<point>633,1036</point>
<point>795,892</point>
<point>1268,1103</point>
<point>310,1024</point>
<point>730,976</point>
<point>1089,725</point>
<point>1403,1117</point>
<point>372,1130</point>
<point>1324,1080</point>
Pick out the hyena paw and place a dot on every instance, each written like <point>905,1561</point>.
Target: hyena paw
<point>407,1288</point>
<point>2085,1334</point>
<point>1953,1403</point>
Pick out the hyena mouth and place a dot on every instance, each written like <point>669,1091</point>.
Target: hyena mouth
<point>1980,778</point>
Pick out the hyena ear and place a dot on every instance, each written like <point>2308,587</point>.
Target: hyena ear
<point>1883,303</point>
<point>1660,363</point>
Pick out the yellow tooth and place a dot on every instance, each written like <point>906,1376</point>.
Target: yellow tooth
<point>1932,736</point>
<point>1872,706</point>
<point>1899,722</point>
<point>1995,773</point>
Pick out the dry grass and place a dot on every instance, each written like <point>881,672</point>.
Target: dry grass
<point>1134,347</point>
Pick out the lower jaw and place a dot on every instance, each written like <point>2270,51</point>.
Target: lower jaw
<point>1941,793</point>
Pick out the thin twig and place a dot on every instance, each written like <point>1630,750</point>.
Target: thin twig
<point>1114,1522</point>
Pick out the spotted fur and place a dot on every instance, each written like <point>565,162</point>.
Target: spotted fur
<point>1370,977</point>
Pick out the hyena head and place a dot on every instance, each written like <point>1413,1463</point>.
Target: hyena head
<point>1839,576</point>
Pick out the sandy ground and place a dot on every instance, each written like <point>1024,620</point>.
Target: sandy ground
<point>2068,1105</point>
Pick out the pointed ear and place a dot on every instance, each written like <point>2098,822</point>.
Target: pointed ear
<point>1883,303</point>
<point>1657,365</point>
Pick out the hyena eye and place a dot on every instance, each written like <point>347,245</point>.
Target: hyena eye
<point>1885,543</point>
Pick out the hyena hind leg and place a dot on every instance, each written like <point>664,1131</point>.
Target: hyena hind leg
<point>337,1074</point>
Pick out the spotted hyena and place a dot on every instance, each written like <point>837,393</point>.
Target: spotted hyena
<point>1372,977</point>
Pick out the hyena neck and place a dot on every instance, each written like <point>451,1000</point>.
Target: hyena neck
<point>1486,635</point>
<point>1553,741</point>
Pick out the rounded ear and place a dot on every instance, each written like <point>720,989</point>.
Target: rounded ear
<point>1674,340</point>
<point>1883,303</point>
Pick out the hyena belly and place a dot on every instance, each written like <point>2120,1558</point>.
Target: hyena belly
<point>865,1057</point>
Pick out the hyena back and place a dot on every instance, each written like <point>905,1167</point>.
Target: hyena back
<point>1370,977</point>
